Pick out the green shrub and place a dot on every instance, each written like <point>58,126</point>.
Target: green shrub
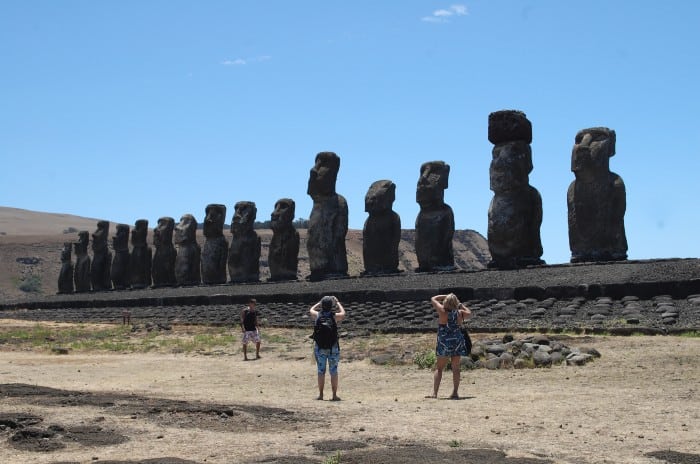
<point>31,284</point>
<point>426,359</point>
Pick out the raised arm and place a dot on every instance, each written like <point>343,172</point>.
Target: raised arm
<point>340,315</point>
<point>313,311</point>
<point>437,303</point>
<point>464,312</point>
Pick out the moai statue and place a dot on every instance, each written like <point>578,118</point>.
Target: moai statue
<point>101,258</point>
<point>141,256</point>
<point>283,257</point>
<point>244,254</point>
<point>215,251</point>
<point>163,268</point>
<point>382,231</point>
<point>435,224</point>
<point>81,273</point>
<point>328,223</point>
<point>515,212</point>
<point>65,275</point>
<point>596,200</point>
<point>187,261</point>
<point>120,264</point>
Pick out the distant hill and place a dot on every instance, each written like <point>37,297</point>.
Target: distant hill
<point>15,221</point>
<point>31,242</point>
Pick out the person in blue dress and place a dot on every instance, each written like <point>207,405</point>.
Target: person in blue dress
<point>451,345</point>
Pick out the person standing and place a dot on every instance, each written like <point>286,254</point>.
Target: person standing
<point>249,327</point>
<point>326,347</point>
<point>451,344</point>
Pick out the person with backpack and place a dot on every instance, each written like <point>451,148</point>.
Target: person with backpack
<point>326,347</point>
<point>249,326</point>
<point>451,344</point>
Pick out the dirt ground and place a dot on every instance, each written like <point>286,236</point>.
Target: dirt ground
<point>638,403</point>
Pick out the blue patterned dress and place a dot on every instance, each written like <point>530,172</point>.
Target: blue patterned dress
<point>450,341</point>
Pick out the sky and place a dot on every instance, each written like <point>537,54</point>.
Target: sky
<point>123,110</point>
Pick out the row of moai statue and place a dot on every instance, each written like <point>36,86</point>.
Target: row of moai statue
<point>596,206</point>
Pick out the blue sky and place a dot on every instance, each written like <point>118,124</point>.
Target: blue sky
<point>139,109</point>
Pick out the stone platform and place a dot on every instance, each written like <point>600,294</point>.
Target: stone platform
<point>651,296</point>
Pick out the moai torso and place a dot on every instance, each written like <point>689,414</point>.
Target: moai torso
<point>141,256</point>
<point>515,212</point>
<point>120,264</point>
<point>187,261</point>
<point>435,224</point>
<point>65,275</point>
<point>215,250</point>
<point>81,273</point>
<point>596,200</point>
<point>382,230</point>
<point>244,253</point>
<point>101,258</point>
<point>163,267</point>
<point>283,256</point>
<point>328,222</point>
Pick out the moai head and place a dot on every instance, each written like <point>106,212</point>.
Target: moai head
<point>120,241</point>
<point>82,244</point>
<point>432,183</point>
<point>66,252</point>
<point>592,151</point>
<point>243,217</point>
<point>323,175</point>
<point>163,233</point>
<point>100,236</point>
<point>186,230</point>
<point>510,167</point>
<point>139,233</point>
<point>283,214</point>
<point>214,220</point>
<point>380,196</point>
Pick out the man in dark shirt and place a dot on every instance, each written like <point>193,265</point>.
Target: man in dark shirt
<point>249,327</point>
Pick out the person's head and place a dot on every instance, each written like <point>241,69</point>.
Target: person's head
<point>327,303</point>
<point>252,302</point>
<point>451,302</point>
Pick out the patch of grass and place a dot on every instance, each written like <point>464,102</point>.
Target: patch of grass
<point>335,459</point>
<point>30,284</point>
<point>690,334</point>
<point>455,443</point>
<point>425,359</point>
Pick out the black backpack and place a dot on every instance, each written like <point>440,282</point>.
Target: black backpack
<point>326,330</point>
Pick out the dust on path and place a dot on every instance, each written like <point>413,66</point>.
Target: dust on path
<point>639,398</point>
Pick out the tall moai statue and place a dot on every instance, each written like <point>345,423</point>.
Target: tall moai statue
<point>435,224</point>
<point>382,231</point>
<point>141,256</point>
<point>215,251</point>
<point>328,223</point>
<point>244,254</point>
<point>65,275</point>
<point>101,258</point>
<point>283,256</point>
<point>163,267</point>
<point>596,200</point>
<point>120,264</point>
<point>81,272</point>
<point>515,212</point>
<point>187,261</point>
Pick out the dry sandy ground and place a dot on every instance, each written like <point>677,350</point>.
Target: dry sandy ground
<point>640,397</point>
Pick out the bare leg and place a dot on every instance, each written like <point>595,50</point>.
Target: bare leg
<point>437,378</point>
<point>334,387</point>
<point>257,350</point>
<point>321,383</point>
<point>454,362</point>
<point>245,352</point>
